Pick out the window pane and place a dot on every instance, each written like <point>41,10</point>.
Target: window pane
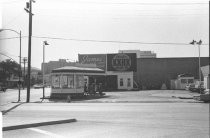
<point>129,82</point>
<point>183,81</point>
<point>121,82</point>
<point>71,81</point>
<point>55,81</point>
<point>63,81</point>
<point>80,81</point>
<point>190,80</point>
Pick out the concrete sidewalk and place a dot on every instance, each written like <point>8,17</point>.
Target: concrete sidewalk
<point>13,120</point>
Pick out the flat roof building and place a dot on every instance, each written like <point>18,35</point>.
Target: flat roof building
<point>140,54</point>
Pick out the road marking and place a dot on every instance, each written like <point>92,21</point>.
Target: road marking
<point>46,133</point>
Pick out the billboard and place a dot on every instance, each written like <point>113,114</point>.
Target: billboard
<point>98,59</point>
<point>121,62</point>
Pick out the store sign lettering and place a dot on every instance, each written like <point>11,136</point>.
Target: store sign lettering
<point>87,59</point>
<point>121,62</point>
<point>98,59</point>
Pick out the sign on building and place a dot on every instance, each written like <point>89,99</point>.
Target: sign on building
<point>121,62</point>
<point>98,59</point>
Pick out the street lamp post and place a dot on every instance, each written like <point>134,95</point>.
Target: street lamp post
<point>20,72</point>
<point>44,43</point>
<point>199,61</point>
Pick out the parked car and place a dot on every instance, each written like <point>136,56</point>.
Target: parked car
<point>197,89</point>
<point>205,97</point>
<point>3,88</point>
<point>38,86</point>
<point>190,86</point>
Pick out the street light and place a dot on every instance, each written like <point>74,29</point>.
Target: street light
<point>19,33</point>
<point>44,43</point>
<point>199,61</point>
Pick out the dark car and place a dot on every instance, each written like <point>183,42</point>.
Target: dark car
<point>197,89</point>
<point>3,88</point>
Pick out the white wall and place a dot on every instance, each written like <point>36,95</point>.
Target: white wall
<point>125,76</point>
<point>206,82</point>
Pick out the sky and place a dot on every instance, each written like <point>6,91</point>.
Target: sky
<point>70,21</point>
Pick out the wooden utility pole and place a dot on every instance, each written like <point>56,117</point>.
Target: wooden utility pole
<point>29,10</point>
<point>24,74</point>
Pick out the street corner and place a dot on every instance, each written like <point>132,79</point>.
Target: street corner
<point>8,128</point>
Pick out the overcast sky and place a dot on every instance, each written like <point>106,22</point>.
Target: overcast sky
<point>169,21</point>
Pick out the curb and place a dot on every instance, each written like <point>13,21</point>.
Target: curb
<point>6,111</point>
<point>38,124</point>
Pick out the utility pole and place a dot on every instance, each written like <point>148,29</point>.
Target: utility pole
<point>29,10</point>
<point>24,62</point>
<point>20,71</point>
<point>199,61</point>
<point>44,44</point>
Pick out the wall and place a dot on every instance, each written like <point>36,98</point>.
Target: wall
<point>206,82</point>
<point>124,76</point>
<point>153,72</point>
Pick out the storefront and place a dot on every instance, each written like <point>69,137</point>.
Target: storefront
<point>119,69</point>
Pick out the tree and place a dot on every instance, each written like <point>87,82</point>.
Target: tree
<point>8,68</point>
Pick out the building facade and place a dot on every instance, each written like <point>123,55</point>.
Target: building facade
<point>119,69</point>
<point>152,73</point>
<point>140,54</point>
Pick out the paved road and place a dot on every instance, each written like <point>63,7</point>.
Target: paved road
<point>112,120</point>
<point>128,96</point>
<point>11,95</point>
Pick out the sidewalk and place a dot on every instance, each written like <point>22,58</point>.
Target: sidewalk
<point>26,115</point>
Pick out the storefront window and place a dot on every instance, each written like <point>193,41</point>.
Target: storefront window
<point>63,81</point>
<point>183,81</point>
<point>129,82</point>
<point>71,81</point>
<point>80,81</point>
<point>121,81</point>
<point>190,81</point>
<point>55,81</point>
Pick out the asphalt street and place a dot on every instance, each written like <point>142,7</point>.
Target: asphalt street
<point>11,95</point>
<point>113,120</point>
<point>118,114</point>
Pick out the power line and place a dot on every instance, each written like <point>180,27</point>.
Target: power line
<point>5,38</point>
<point>110,41</point>
<point>101,41</point>
<point>7,56</point>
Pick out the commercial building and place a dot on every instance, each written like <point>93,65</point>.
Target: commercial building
<point>147,73</point>
<point>127,71</point>
<point>119,69</point>
<point>140,54</point>
<point>152,73</point>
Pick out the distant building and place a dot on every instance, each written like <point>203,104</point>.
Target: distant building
<point>49,66</point>
<point>140,54</point>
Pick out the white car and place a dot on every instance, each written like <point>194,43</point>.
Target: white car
<point>37,86</point>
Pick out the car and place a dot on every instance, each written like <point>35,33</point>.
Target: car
<point>3,88</point>
<point>205,97</point>
<point>38,86</point>
<point>190,86</point>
